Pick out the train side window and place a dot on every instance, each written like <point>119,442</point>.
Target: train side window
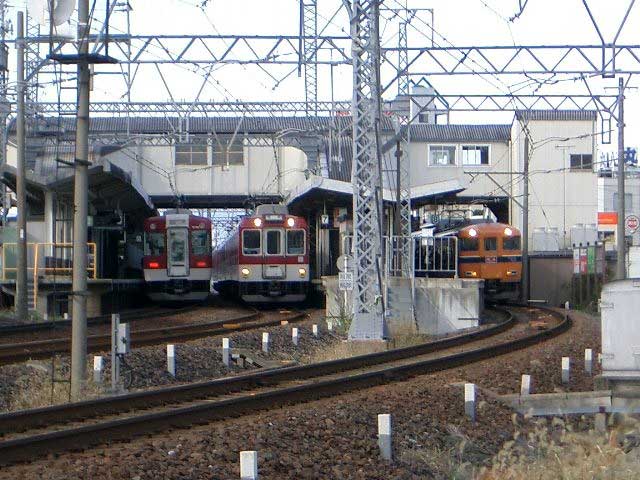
<point>154,243</point>
<point>251,242</point>
<point>274,242</point>
<point>490,244</point>
<point>511,243</point>
<point>295,242</point>
<point>468,244</point>
<point>200,243</point>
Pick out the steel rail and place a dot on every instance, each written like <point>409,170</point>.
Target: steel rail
<point>21,449</point>
<point>25,448</point>
<point>12,353</point>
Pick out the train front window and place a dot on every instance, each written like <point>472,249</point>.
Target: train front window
<point>251,242</point>
<point>490,244</point>
<point>200,242</point>
<point>177,245</point>
<point>468,244</point>
<point>295,242</point>
<point>511,243</point>
<point>154,243</point>
<point>274,246</point>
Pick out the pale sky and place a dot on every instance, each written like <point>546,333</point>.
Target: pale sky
<point>462,23</point>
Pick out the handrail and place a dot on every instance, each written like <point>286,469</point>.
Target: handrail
<point>35,248</point>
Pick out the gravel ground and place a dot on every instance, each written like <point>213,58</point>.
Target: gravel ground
<point>335,438</point>
<point>28,384</point>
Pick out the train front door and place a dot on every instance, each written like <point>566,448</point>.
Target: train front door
<point>178,254</point>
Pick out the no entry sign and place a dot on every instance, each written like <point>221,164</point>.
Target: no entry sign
<point>631,223</point>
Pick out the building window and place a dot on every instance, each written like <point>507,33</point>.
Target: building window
<point>192,153</point>
<point>581,161</point>
<point>226,152</point>
<point>475,155</point>
<point>442,155</point>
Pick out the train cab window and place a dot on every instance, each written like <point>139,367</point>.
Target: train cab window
<point>251,242</point>
<point>177,245</point>
<point>511,243</point>
<point>274,242</point>
<point>468,244</point>
<point>490,244</point>
<point>154,243</point>
<point>200,243</point>
<point>295,242</point>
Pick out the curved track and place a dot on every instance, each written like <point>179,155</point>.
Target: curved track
<point>184,405</point>
<point>18,352</point>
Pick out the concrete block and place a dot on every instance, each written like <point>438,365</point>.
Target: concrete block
<point>470,401</point>
<point>588,361</point>
<point>600,422</point>
<point>314,329</point>
<point>525,385</point>
<point>171,360</point>
<point>294,335</point>
<point>98,367</point>
<point>249,465</point>
<point>384,436</point>
<point>226,351</point>
<point>566,366</point>
<point>265,342</point>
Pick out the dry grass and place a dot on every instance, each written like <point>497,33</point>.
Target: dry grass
<point>556,451</point>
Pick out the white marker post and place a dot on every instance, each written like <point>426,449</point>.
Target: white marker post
<point>384,436</point>
<point>97,369</point>
<point>171,359</point>
<point>588,360</point>
<point>249,465</point>
<point>314,328</point>
<point>567,306</point>
<point>566,365</point>
<point>226,351</point>
<point>330,325</point>
<point>265,342</point>
<point>470,401</point>
<point>600,359</point>
<point>65,316</point>
<point>525,385</point>
<point>294,336</point>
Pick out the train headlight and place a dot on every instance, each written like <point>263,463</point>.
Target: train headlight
<point>291,222</point>
<point>508,232</point>
<point>473,232</point>
<point>302,272</point>
<point>257,222</point>
<point>512,273</point>
<point>471,274</point>
<point>245,272</point>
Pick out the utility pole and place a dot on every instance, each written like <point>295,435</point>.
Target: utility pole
<point>525,220</point>
<point>79,311</point>
<point>620,266</point>
<point>21,193</point>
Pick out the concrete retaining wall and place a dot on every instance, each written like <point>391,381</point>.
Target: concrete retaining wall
<point>441,305</point>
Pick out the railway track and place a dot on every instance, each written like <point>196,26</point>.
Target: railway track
<point>18,352</point>
<point>77,426</point>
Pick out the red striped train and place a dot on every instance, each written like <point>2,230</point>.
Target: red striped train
<point>266,259</point>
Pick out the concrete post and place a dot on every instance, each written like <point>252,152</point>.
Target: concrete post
<point>621,271</point>
<point>599,359</point>
<point>21,299</point>
<point>226,351</point>
<point>567,305</point>
<point>525,385</point>
<point>330,325</point>
<point>384,436</point>
<point>171,360</point>
<point>65,316</point>
<point>566,365</point>
<point>97,369</point>
<point>265,342</point>
<point>600,422</point>
<point>249,465</point>
<point>588,361</point>
<point>115,360</point>
<point>294,335</point>
<point>81,210</point>
<point>470,401</point>
<point>314,328</point>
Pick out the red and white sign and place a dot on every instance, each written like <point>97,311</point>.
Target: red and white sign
<point>631,223</point>
<point>607,218</point>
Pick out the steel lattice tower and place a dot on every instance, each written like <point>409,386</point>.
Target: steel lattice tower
<point>310,51</point>
<point>368,310</point>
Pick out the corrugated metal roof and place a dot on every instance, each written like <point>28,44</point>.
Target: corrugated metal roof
<point>461,133</point>
<point>557,115</point>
